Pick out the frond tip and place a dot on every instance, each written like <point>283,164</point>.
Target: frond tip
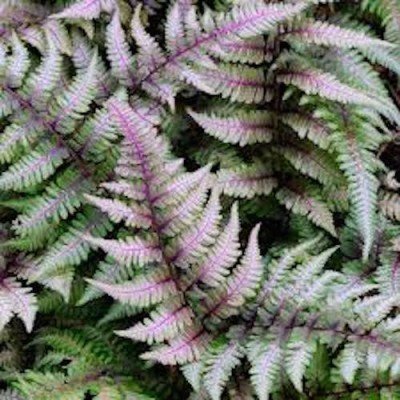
<point>16,300</point>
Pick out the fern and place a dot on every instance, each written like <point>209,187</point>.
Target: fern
<point>89,374</point>
<point>226,172</point>
<point>42,138</point>
<point>172,247</point>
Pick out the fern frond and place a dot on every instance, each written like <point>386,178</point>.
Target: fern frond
<point>242,284</point>
<point>129,251</point>
<point>18,63</point>
<point>224,253</point>
<point>16,300</point>
<point>323,33</point>
<point>185,348</point>
<point>61,200</point>
<point>86,9</point>
<point>119,54</point>
<point>389,205</point>
<point>164,323</point>
<point>243,21</point>
<point>247,181</point>
<point>305,204</point>
<point>183,227</point>
<point>243,129</point>
<point>218,365</point>
<point>75,100</point>
<point>310,127</point>
<point>144,291</point>
<point>33,168</point>
<point>265,363</point>
<point>314,82</point>
<point>238,83</point>
<point>354,153</point>
<point>194,243</point>
<point>71,247</point>
<point>298,356</point>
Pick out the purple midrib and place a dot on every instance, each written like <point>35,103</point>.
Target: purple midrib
<point>146,288</point>
<point>158,325</point>
<point>58,200</point>
<point>228,29</point>
<point>214,260</point>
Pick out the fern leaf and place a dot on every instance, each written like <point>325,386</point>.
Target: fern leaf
<point>247,275</point>
<point>54,268</point>
<point>241,284</point>
<point>44,80</point>
<point>164,323</point>
<point>118,52</point>
<point>185,348</point>
<point>242,22</point>
<point>186,211</point>
<point>181,186</point>
<point>349,362</point>
<point>243,129</point>
<point>18,63</point>
<point>86,9</point>
<point>362,185</point>
<point>97,135</point>
<point>313,163</point>
<point>8,103</point>
<point>218,365</point>
<point>278,270</point>
<point>151,61</point>
<point>305,204</point>
<point>58,34</point>
<point>315,82</point>
<point>140,135</point>
<point>18,300</point>
<point>247,181</point>
<point>300,289</point>
<point>150,53</point>
<point>130,251</point>
<point>192,244</point>
<point>390,205</point>
<point>224,253</point>
<point>254,18</point>
<point>61,200</point>
<point>82,56</point>
<point>132,215</point>
<point>144,291</point>
<point>298,356</point>
<point>71,247</point>
<point>71,104</point>
<point>248,51</point>
<point>238,83</point>
<point>15,136</point>
<point>33,168</point>
<point>192,372</point>
<point>323,33</point>
<point>265,363</point>
<point>308,126</point>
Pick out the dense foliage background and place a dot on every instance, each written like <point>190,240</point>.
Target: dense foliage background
<point>199,199</point>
